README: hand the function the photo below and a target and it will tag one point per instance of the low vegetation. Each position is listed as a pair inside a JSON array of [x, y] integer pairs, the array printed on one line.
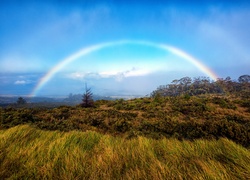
[[29, 153], [166, 136], [182, 117]]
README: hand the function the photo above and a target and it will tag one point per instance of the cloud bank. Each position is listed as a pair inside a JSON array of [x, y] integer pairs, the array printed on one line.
[[117, 75]]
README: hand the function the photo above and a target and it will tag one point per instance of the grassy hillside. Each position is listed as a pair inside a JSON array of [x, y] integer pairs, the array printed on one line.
[[206, 136], [182, 117], [26, 152]]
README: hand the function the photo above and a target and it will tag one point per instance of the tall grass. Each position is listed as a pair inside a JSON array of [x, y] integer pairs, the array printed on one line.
[[29, 153]]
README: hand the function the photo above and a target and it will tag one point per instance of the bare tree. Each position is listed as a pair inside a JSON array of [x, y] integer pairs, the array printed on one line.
[[87, 100]]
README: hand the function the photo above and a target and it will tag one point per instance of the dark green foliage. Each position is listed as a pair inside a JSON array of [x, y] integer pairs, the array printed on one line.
[[244, 79], [61, 113], [21, 101], [87, 100], [11, 117], [203, 85], [223, 103], [197, 107], [244, 103], [122, 125]]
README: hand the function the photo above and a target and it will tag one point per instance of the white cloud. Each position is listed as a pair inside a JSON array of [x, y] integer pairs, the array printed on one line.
[[120, 75], [117, 75], [82, 75], [24, 79], [21, 82], [76, 75], [136, 72]]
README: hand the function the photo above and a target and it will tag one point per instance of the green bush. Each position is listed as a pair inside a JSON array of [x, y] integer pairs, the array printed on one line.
[[223, 103]]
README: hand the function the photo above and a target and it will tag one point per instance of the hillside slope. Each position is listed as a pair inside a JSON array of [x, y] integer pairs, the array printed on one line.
[[29, 153], [181, 117]]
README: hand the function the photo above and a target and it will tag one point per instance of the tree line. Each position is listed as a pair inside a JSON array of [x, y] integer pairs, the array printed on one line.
[[203, 85]]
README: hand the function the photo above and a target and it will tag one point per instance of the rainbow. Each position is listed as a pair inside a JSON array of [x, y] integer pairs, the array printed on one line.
[[87, 50]]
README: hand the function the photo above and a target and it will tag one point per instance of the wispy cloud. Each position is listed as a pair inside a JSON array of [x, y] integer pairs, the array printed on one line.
[[20, 82], [216, 29], [228, 30], [82, 75], [120, 75], [117, 75], [23, 79]]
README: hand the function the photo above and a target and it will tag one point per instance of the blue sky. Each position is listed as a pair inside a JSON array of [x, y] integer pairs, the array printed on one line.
[[36, 35]]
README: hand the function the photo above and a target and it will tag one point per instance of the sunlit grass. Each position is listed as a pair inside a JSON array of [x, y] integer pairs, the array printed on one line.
[[26, 152]]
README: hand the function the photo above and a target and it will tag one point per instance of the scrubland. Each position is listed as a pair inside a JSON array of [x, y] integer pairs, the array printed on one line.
[[184, 136]]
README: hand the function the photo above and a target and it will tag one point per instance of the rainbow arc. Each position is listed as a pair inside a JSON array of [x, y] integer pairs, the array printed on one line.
[[90, 49]]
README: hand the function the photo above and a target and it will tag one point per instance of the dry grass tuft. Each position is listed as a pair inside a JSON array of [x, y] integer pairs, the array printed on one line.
[[29, 153]]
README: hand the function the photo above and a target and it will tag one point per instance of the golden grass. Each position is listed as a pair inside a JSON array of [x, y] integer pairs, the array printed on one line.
[[29, 153]]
